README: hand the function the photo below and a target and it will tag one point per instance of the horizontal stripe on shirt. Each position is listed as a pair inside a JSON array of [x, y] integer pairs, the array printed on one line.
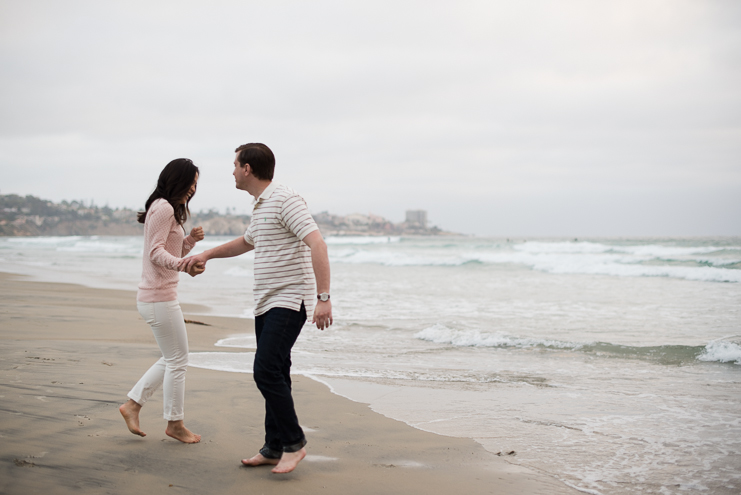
[[283, 272]]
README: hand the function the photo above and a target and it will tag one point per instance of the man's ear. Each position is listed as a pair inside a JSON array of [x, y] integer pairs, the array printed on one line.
[[246, 169]]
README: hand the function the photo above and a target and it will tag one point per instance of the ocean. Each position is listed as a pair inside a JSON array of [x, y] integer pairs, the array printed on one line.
[[613, 365]]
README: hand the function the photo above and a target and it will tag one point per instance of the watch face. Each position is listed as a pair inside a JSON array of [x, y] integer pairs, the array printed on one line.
[[323, 297]]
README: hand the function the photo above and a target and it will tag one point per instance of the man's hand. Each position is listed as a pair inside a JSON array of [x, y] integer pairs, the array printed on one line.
[[197, 269], [188, 263], [227, 250], [323, 314], [197, 233], [320, 263]]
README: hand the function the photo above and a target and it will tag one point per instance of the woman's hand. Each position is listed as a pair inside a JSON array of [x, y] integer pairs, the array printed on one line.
[[197, 234]]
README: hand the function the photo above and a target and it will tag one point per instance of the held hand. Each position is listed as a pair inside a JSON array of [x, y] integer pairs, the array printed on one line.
[[187, 263], [197, 233], [197, 269], [323, 314]]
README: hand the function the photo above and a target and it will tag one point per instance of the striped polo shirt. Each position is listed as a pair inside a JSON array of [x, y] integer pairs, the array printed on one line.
[[284, 275]]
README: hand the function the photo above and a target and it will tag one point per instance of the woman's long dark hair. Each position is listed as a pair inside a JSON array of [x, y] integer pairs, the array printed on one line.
[[173, 185]]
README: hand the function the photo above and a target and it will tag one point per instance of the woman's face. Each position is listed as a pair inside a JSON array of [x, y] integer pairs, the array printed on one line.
[[191, 191]]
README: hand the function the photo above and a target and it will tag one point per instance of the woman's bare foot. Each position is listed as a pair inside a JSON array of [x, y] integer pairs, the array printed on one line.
[[130, 412], [259, 460], [289, 461], [178, 431]]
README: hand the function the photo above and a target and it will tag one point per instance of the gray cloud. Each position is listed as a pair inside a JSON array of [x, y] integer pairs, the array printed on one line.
[[569, 116]]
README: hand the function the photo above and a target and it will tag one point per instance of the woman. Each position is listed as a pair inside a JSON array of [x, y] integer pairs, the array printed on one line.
[[165, 245]]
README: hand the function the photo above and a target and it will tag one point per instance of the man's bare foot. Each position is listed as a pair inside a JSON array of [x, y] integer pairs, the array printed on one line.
[[130, 412], [259, 460], [178, 431], [289, 461]]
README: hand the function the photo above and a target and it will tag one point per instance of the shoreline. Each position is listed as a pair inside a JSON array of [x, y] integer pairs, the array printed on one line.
[[70, 354]]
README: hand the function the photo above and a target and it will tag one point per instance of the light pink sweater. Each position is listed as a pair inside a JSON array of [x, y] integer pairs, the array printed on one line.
[[165, 245]]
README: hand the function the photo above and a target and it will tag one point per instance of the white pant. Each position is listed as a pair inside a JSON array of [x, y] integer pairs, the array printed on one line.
[[166, 320]]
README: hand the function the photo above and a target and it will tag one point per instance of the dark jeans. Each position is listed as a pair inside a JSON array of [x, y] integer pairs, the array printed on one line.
[[277, 331]]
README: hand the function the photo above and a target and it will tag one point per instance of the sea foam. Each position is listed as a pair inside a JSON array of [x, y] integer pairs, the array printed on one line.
[[700, 263], [722, 351], [94, 246], [41, 241], [440, 334], [362, 240]]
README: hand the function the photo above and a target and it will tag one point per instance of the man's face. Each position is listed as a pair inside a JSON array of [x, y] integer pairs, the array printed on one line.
[[239, 174]]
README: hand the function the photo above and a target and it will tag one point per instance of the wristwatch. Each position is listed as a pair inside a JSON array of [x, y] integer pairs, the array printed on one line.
[[324, 296]]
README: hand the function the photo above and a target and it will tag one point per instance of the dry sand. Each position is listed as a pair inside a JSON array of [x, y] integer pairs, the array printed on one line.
[[69, 355]]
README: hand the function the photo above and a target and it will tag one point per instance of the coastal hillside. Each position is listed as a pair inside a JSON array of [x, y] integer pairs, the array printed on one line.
[[32, 216]]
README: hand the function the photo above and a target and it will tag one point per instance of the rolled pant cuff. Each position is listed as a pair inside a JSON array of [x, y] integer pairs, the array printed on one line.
[[269, 453], [296, 446]]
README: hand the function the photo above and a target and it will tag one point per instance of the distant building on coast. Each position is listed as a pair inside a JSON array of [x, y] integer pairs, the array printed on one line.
[[417, 218], [359, 224]]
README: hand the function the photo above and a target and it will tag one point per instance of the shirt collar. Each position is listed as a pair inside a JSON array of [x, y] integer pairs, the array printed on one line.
[[266, 193]]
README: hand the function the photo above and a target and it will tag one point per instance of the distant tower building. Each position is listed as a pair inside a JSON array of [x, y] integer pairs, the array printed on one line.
[[417, 217]]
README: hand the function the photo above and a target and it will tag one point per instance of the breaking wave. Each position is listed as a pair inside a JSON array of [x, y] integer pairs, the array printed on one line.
[[725, 350], [700, 263]]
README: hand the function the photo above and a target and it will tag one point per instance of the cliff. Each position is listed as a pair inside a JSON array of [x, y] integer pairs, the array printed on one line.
[[32, 216]]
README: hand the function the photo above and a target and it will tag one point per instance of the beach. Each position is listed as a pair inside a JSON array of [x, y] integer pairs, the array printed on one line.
[[69, 355], [609, 365]]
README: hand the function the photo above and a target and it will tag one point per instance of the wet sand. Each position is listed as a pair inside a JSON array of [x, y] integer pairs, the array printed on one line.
[[69, 354]]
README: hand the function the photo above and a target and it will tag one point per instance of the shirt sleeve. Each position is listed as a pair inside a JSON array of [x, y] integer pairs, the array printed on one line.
[[188, 244], [160, 218], [295, 217], [248, 234]]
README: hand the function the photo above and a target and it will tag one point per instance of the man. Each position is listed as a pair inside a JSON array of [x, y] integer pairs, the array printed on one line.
[[290, 254]]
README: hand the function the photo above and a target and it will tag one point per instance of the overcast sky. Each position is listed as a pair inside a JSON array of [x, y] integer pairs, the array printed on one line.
[[574, 118]]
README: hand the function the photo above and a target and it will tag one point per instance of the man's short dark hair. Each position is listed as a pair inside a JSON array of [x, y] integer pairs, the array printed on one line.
[[260, 158]]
